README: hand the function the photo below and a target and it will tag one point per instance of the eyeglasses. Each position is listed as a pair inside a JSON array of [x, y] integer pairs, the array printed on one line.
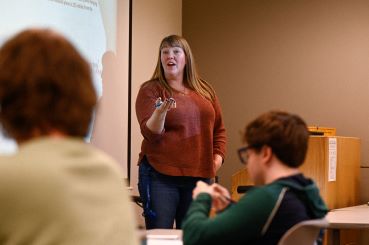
[[242, 153]]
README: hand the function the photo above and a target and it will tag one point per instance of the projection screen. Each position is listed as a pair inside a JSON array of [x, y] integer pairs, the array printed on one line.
[[100, 31]]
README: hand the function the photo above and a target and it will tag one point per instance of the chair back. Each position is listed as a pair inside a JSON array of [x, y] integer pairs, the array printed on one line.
[[304, 233]]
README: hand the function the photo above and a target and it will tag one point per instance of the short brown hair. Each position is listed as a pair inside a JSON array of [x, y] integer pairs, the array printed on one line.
[[45, 84], [285, 133]]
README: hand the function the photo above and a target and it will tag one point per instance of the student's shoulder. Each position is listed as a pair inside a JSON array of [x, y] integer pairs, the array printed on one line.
[[259, 201], [23, 179], [7, 168], [266, 193]]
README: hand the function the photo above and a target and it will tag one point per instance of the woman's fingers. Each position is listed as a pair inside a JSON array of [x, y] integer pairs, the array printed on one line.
[[165, 105], [158, 102]]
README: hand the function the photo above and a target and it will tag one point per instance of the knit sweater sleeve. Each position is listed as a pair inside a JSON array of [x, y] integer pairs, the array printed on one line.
[[239, 224], [144, 108], [220, 139]]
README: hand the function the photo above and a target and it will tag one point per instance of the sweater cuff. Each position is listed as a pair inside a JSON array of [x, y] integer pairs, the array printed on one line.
[[204, 198], [149, 135]]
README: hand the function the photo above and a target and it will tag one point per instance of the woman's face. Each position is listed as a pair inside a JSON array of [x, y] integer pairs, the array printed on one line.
[[173, 60]]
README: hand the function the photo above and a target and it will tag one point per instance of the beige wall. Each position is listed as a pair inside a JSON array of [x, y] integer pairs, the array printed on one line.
[[308, 57], [152, 21]]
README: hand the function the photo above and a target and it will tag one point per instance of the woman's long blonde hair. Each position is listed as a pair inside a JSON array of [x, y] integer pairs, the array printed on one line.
[[191, 77]]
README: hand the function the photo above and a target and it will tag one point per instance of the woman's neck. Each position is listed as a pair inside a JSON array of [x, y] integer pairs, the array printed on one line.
[[176, 84]]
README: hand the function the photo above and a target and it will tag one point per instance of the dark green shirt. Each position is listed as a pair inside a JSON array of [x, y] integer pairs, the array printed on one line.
[[262, 216]]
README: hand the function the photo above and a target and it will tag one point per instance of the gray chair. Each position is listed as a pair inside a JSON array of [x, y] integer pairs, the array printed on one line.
[[304, 233]]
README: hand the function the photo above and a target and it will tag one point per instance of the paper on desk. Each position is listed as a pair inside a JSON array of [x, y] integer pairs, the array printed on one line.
[[332, 159], [163, 242], [162, 237]]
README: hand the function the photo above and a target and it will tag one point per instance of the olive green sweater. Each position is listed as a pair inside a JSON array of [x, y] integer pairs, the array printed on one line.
[[62, 191]]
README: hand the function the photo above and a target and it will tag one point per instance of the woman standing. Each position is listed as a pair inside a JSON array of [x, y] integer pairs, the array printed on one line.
[[184, 135]]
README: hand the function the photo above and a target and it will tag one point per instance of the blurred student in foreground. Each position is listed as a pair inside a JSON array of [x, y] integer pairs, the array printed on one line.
[[56, 189], [276, 147]]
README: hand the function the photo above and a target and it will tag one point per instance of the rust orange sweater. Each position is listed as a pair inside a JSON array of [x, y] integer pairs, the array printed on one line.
[[193, 132]]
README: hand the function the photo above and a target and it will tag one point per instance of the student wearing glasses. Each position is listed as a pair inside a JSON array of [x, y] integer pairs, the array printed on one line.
[[276, 147]]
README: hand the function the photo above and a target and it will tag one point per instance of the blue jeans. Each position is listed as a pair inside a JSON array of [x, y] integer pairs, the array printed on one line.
[[165, 198]]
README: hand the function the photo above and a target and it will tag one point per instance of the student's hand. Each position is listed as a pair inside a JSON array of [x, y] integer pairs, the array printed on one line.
[[201, 187], [221, 197]]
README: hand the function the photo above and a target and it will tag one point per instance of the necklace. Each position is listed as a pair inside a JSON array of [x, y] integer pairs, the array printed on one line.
[[184, 91]]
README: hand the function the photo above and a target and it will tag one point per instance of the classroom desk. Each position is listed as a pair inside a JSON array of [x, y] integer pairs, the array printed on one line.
[[355, 217]]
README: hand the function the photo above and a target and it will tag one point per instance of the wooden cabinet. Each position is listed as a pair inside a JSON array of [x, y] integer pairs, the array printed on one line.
[[344, 191]]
